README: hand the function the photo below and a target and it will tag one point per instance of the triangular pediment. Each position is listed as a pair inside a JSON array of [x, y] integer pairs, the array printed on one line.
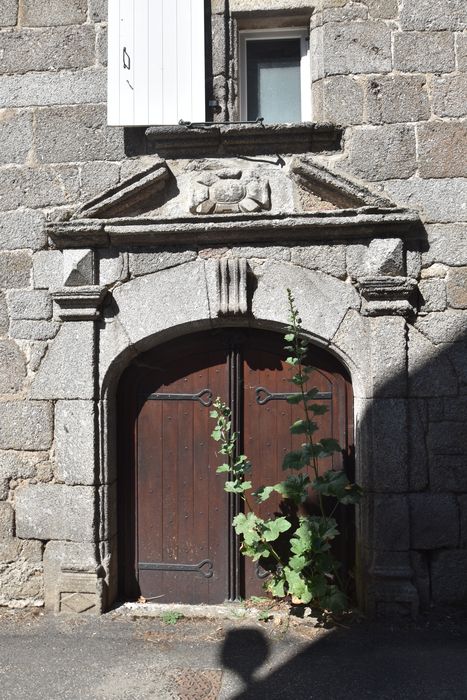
[[231, 186]]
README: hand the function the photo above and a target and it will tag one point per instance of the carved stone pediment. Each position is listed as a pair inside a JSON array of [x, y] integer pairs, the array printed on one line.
[[233, 199]]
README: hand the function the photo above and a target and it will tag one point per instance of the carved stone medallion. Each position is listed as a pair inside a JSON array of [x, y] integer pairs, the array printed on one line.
[[228, 191]]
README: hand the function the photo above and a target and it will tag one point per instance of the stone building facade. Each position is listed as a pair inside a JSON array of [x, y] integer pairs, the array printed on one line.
[[115, 240]]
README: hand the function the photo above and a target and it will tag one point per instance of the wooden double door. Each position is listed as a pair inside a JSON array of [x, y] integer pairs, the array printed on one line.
[[176, 539]]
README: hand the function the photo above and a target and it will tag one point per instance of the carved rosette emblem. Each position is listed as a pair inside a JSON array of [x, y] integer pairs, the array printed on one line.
[[228, 191]]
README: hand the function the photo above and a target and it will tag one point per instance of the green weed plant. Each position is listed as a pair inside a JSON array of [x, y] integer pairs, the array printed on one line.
[[307, 573]]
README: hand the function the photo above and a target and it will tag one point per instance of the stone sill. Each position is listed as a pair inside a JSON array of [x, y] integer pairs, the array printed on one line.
[[206, 140], [340, 225]]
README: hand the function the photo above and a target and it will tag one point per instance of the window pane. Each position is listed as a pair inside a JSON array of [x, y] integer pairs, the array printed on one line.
[[273, 80]]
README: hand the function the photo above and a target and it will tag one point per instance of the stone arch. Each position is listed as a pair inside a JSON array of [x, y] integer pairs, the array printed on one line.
[[184, 299]]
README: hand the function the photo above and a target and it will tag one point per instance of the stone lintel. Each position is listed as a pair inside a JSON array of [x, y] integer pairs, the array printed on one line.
[[341, 225], [79, 303], [387, 296], [256, 138]]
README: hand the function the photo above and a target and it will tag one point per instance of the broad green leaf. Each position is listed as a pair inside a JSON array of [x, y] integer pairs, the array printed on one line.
[[294, 460], [295, 398], [289, 338], [295, 487], [303, 426], [317, 409], [263, 492], [298, 562], [237, 486], [273, 528], [276, 587], [336, 484], [213, 414], [222, 469]]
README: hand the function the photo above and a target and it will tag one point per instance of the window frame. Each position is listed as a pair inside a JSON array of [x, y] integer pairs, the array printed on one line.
[[301, 33]]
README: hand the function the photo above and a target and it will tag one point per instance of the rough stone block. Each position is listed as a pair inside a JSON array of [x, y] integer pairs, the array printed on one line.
[[21, 573], [77, 134], [316, 295], [413, 263], [15, 136], [418, 457], [433, 15], [356, 47], [442, 149], [437, 200], [78, 267], [398, 98], [98, 177], [342, 100], [22, 229], [26, 425], [15, 269], [448, 472], [98, 10], [447, 438], [424, 52], [388, 356], [70, 556], [461, 49], [430, 374], [113, 267], [141, 263], [55, 512], [31, 305], [420, 566], [449, 577], [326, 258], [34, 330], [19, 465], [38, 187], [434, 521], [433, 294], [37, 13], [7, 521], [74, 441], [4, 319], [8, 13], [356, 260], [386, 257], [457, 354], [381, 152], [447, 327], [388, 424], [275, 252], [47, 269], [462, 500], [390, 523], [65, 373], [352, 340], [102, 45], [47, 89], [47, 49], [383, 9], [450, 95], [12, 367], [447, 245], [456, 284]]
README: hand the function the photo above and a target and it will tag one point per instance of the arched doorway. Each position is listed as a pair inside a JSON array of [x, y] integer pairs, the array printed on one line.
[[176, 540]]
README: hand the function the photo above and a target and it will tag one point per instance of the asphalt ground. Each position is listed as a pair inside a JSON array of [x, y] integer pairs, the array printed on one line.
[[125, 656]]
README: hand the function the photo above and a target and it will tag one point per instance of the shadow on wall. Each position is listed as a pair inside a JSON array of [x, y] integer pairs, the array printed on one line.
[[362, 662], [417, 511]]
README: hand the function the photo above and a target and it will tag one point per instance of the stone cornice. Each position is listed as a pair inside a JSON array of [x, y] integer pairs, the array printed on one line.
[[339, 225], [208, 140]]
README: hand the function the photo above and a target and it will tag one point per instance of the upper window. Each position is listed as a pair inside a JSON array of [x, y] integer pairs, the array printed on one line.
[[275, 75]]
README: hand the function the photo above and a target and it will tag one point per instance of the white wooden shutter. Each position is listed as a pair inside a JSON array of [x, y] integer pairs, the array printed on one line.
[[156, 62]]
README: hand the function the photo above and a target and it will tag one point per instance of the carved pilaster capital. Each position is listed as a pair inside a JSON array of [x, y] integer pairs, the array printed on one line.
[[79, 303], [387, 296]]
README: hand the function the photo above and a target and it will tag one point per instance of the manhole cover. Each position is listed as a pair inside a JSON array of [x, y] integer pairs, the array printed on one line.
[[194, 684]]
